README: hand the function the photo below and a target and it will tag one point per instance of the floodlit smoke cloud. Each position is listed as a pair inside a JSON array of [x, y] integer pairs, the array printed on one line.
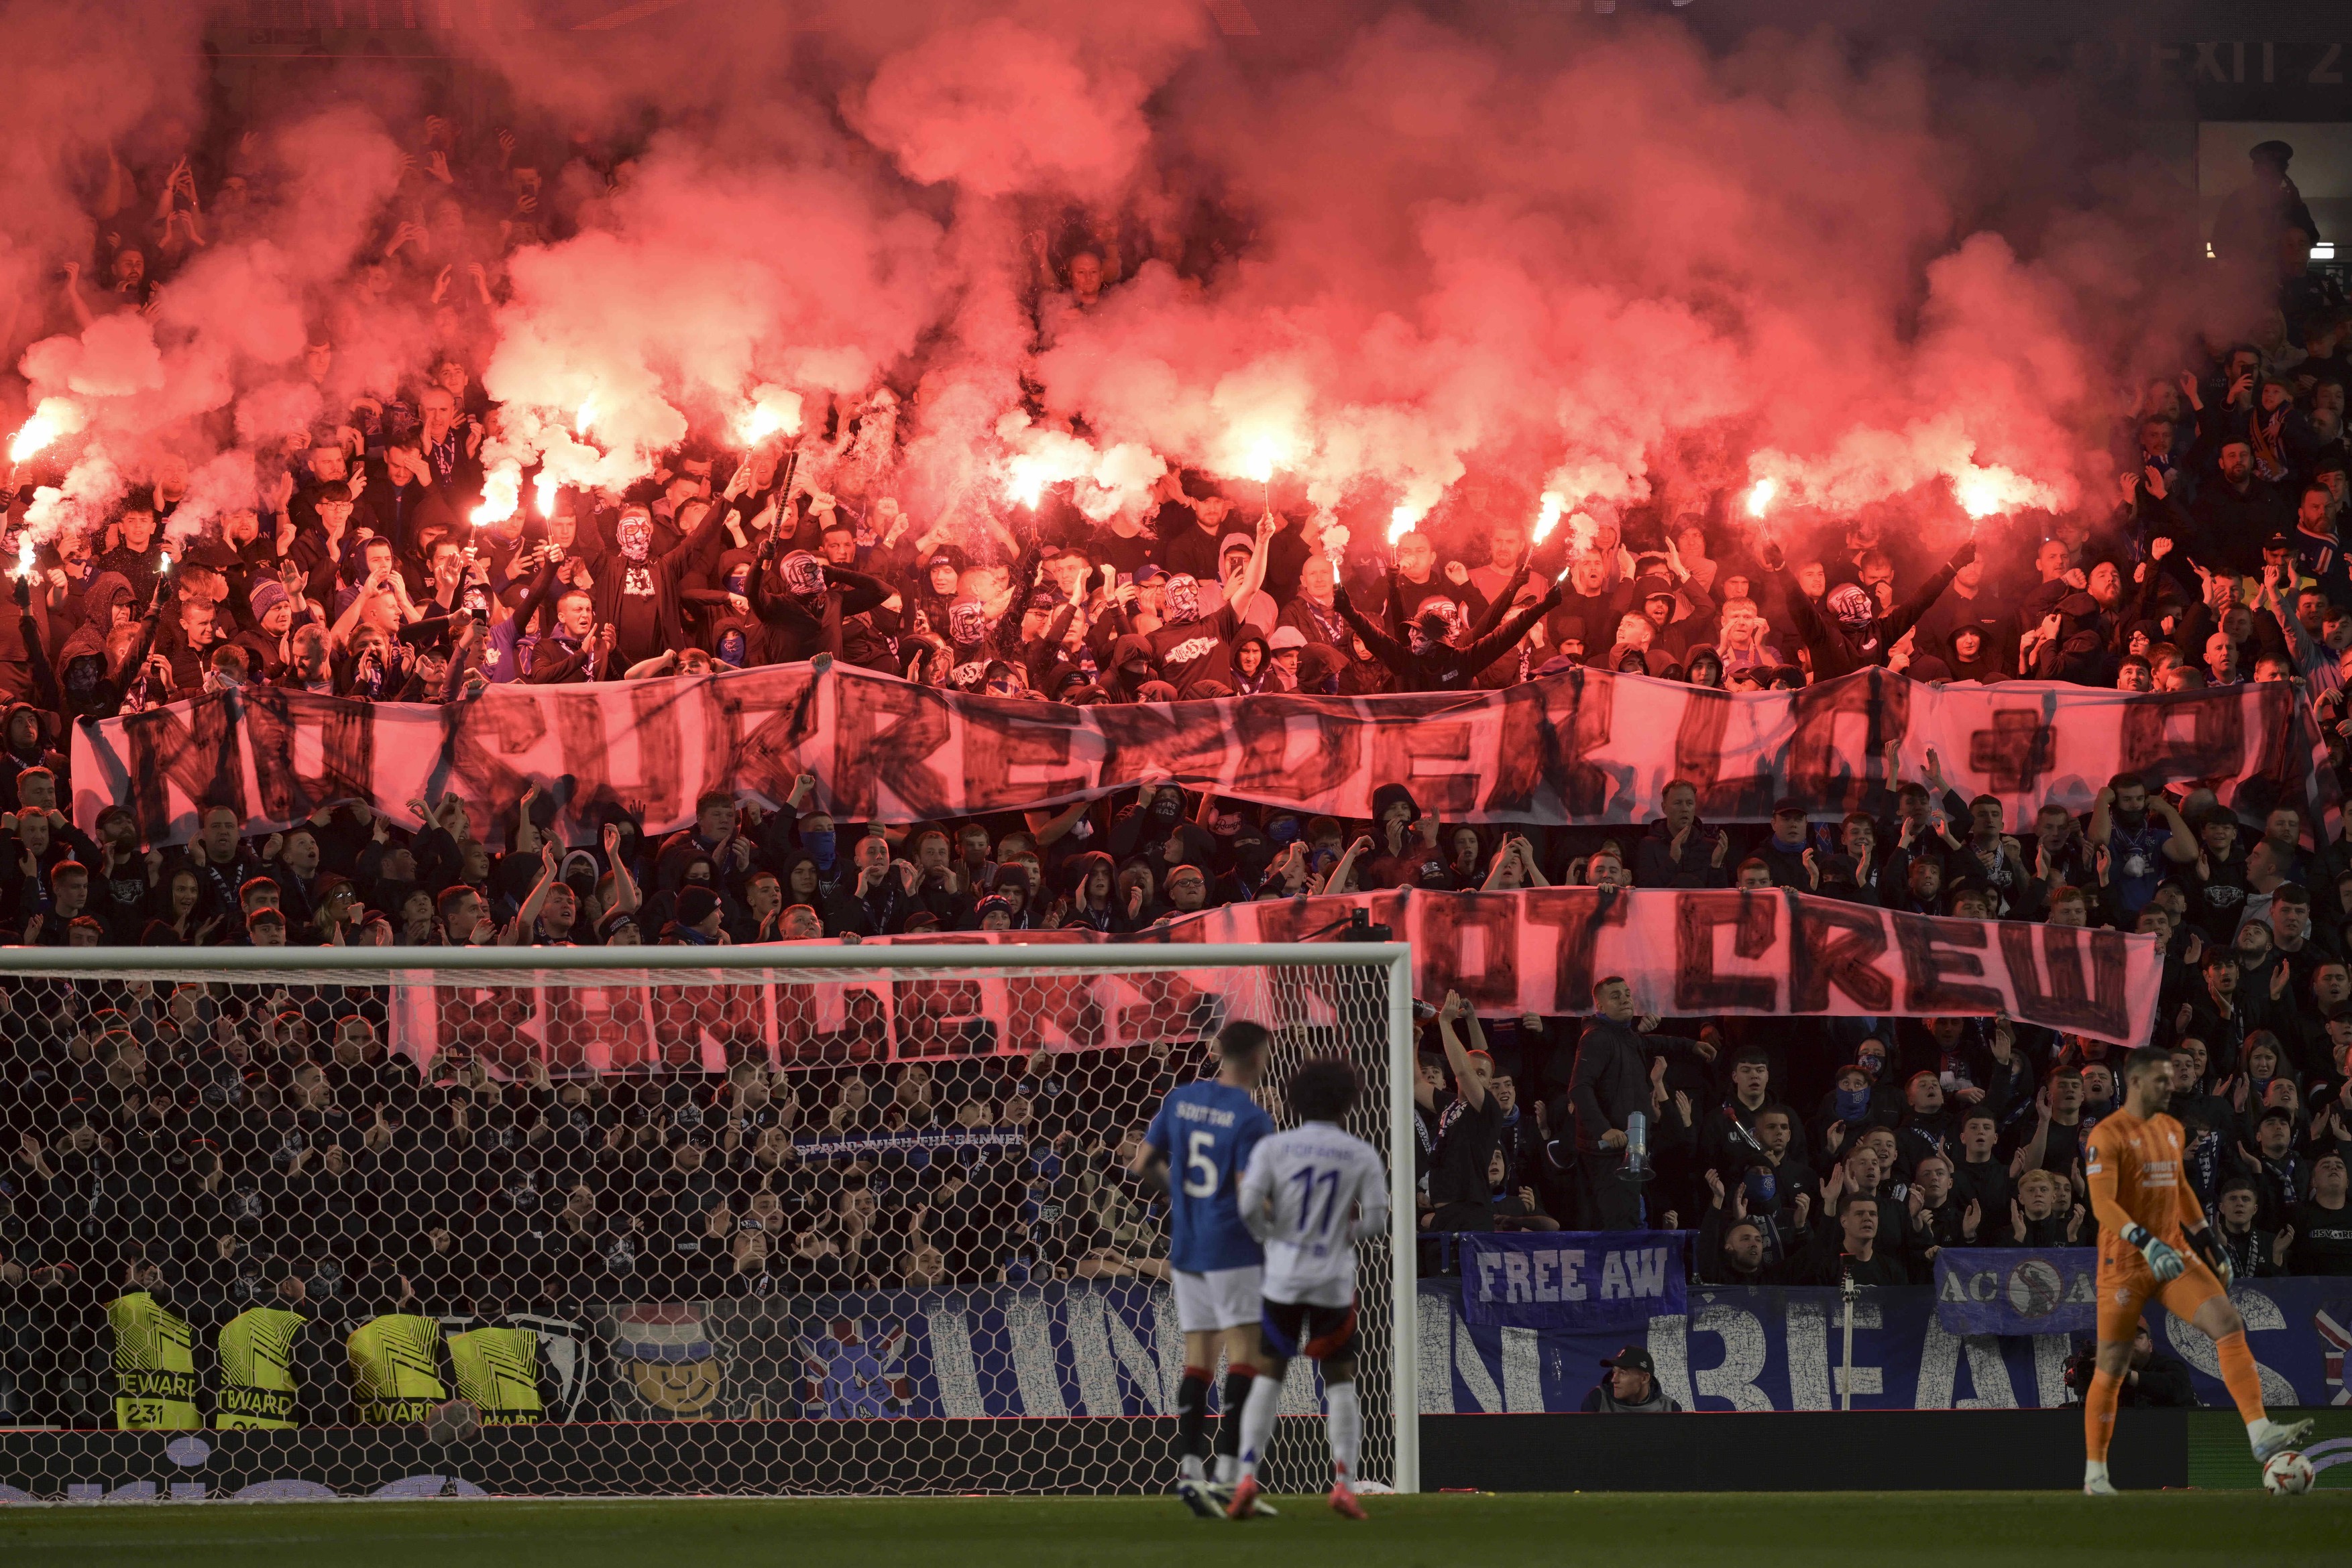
[[223, 334], [1466, 267]]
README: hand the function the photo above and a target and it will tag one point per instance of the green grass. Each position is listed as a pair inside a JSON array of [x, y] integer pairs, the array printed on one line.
[[2016, 1530]]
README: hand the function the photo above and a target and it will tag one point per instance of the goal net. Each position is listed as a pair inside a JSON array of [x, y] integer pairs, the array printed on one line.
[[801, 1219]]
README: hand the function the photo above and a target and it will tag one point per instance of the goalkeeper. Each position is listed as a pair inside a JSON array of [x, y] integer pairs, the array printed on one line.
[[2155, 1244]]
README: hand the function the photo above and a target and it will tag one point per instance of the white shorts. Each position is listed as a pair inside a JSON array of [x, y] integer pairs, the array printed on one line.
[[1222, 1299]]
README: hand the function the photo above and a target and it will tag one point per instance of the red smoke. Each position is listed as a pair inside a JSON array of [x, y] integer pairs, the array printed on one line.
[[1561, 258]]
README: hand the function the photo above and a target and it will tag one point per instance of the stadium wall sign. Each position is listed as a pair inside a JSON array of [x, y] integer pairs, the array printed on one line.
[[1755, 1349], [1685, 954], [1584, 747], [1107, 1357]]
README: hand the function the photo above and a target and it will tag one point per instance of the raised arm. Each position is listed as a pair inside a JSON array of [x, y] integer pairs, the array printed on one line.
[[1473, 1092], [1345, 865], [1486, 651], [625, 886], [1251, 577], [1385, 648], [526, 919], [1905, 615]]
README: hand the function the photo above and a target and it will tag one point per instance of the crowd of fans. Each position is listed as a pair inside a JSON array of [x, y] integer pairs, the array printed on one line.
[[238, 1143]]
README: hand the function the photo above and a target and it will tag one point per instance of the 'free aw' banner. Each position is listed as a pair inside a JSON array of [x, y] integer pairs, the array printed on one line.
[[1610, 1282]]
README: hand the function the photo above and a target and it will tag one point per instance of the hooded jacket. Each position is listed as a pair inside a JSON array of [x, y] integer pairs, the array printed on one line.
[[1116, 684], [15, 761]]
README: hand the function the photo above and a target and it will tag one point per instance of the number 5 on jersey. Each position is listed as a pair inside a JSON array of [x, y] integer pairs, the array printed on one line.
[[1200, 1164]]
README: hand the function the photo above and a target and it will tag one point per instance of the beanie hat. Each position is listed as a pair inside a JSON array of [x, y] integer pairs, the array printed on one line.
[[268, 594], [695, 905]]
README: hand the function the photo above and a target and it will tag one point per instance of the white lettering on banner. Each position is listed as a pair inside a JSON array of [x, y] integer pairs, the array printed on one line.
[[1668, 1351], [2050, 1356], [1516, 1285], [2262, 1315], [1585, 747], [1436, 1322], [1571, 1263], [1806, 1326], [1523, 1360], [1939, 1359], [1744, 1353], [1646, 1271], [1472, 1368]]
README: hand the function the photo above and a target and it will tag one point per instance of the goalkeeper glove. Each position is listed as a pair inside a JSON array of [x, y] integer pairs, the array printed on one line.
[[2162, 1260], [2211, 1251]]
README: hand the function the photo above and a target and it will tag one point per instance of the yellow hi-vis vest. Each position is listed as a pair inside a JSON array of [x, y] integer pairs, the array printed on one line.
[[154, 1366], [256, 1370], [498, 1370], [395, 1369]]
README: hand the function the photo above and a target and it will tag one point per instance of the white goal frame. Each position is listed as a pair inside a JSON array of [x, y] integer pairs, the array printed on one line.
[[826, 962]]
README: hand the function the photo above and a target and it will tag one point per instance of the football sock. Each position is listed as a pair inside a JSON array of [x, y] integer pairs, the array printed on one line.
[[1192, 1423], [1240, 1377], [1257, 1421], [1346, 1420], [2238, 1370], [2099, 1404]]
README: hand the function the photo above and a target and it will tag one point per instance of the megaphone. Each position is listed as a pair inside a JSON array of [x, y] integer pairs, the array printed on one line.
[[1636, 1168]]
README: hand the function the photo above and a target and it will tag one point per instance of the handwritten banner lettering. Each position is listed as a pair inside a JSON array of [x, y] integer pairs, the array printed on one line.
[[1537, 950], [1585, 747]]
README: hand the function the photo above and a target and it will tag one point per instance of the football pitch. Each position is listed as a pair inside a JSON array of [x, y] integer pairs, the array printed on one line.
[[1751, 1531]]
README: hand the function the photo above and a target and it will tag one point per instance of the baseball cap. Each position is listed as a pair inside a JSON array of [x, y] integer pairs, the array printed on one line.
[[1633, 1358], [1789, 804], [1045, 599], [1150, 572]]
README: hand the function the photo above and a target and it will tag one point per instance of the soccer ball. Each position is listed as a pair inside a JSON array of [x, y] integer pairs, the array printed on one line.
[[455, 1420], [2286, 1475]]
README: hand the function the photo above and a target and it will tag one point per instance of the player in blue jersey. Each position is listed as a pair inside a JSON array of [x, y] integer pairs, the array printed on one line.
[[1198, 1146]]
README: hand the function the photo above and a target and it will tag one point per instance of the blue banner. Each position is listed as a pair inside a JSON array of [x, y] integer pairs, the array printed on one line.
[[1113, 1348], [2018, 1289], [1747, 1349], [1578, 1281]]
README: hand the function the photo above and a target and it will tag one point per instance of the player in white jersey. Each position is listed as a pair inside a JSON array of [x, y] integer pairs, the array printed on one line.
[[1310, 1194]]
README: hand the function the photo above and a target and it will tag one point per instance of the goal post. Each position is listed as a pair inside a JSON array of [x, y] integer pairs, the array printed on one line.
[[256, 1052]]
